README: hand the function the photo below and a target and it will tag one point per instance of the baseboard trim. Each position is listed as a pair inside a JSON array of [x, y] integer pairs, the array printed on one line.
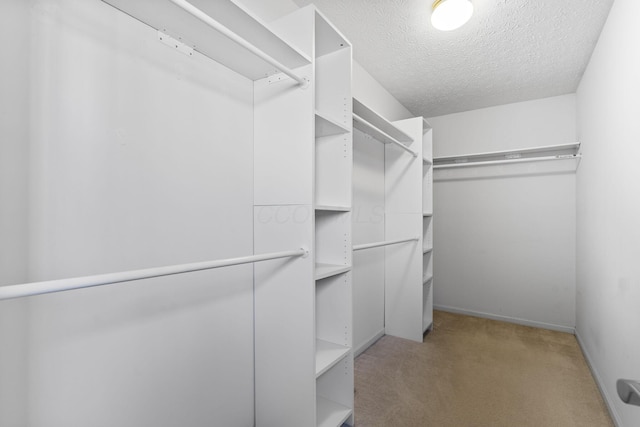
[[371, 341], [518, 321], [596, 376]]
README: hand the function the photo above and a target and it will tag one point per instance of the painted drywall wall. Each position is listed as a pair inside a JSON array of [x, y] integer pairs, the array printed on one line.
[[608, 272], [370, 92], [269, 10], [505, 243], [140, 156], [14, 125]]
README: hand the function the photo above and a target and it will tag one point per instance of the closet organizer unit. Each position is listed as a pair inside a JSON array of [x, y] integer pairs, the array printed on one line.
[[301, 68], [404, 308], [427, 226], [330, 173]]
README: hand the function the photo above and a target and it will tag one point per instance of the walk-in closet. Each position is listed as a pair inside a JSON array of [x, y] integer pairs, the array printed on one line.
[[318, 213]]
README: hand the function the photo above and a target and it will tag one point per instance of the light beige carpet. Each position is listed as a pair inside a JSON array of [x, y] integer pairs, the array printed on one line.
[[472, 372]]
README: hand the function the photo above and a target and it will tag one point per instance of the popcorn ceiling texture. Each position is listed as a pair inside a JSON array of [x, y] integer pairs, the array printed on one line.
[[510, 50]]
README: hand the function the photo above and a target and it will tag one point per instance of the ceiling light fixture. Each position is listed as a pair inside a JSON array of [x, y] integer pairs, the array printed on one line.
[[448, 15]]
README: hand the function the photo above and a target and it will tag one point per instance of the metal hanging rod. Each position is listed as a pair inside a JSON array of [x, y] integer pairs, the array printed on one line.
[[520, 151], [359, 119], [39, 288], [499, 162], [197, 13], [387, 243]]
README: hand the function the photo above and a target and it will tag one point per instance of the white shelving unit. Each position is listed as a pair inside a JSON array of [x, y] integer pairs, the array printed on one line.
[[427, 227], [403, 213], [331, 171], [170, 19]]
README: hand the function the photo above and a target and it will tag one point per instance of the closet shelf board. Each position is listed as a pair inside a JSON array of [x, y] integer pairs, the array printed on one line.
[[331, 414], [379, 122], [326, 126], [327, 270], [427, 279], [426, 250], [332, 208], [427, 214], [170, 19], [427, 161], [327, 355]]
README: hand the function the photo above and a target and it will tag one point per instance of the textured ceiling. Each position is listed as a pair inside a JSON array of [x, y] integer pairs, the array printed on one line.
[[510, 51]]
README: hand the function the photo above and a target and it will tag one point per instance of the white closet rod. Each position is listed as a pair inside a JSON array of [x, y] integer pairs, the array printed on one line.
[[378, 244], [499, 162], [386, 135], [39, 288], [189, 8], [542, 148]]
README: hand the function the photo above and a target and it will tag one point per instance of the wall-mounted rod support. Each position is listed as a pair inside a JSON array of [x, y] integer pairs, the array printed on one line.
[[506, 161], [39, 288], [359, 119], [191, 9], [629, 391], [387, 243]]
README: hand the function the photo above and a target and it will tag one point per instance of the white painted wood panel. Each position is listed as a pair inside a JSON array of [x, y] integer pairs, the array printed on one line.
[[284, 323], [403, 172], [403, 277], [284, 119], [404, 219]]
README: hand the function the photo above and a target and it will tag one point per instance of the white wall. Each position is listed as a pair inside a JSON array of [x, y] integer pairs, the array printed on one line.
[[139, 156], [608, 280], [370, 92], [269, 10], [505, 239], [14, 125]]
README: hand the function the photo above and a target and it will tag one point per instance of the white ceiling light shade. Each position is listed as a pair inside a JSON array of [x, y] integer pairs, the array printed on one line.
[[448, 15]]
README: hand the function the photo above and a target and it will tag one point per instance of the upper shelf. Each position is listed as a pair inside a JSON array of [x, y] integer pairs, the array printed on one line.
[[173, 20], [378, 122], [547, 152], [327, 126]]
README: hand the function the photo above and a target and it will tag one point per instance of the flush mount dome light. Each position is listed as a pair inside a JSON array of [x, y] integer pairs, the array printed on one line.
[[448, 15]]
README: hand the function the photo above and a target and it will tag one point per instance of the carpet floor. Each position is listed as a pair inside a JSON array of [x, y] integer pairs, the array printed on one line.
[[472, 372]]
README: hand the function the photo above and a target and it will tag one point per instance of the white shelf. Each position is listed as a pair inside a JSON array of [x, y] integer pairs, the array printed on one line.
[[426, 250], [331, 414], [326, 126], [426, 279], [327, 270], [379, 122], [165, 16], [427, 161], [328, 38], [330, 208], [427, 214], [327, 355]]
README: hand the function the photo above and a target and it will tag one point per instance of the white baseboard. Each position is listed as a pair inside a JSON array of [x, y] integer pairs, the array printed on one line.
[[368, 343], [603, 390], [535, 324]]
